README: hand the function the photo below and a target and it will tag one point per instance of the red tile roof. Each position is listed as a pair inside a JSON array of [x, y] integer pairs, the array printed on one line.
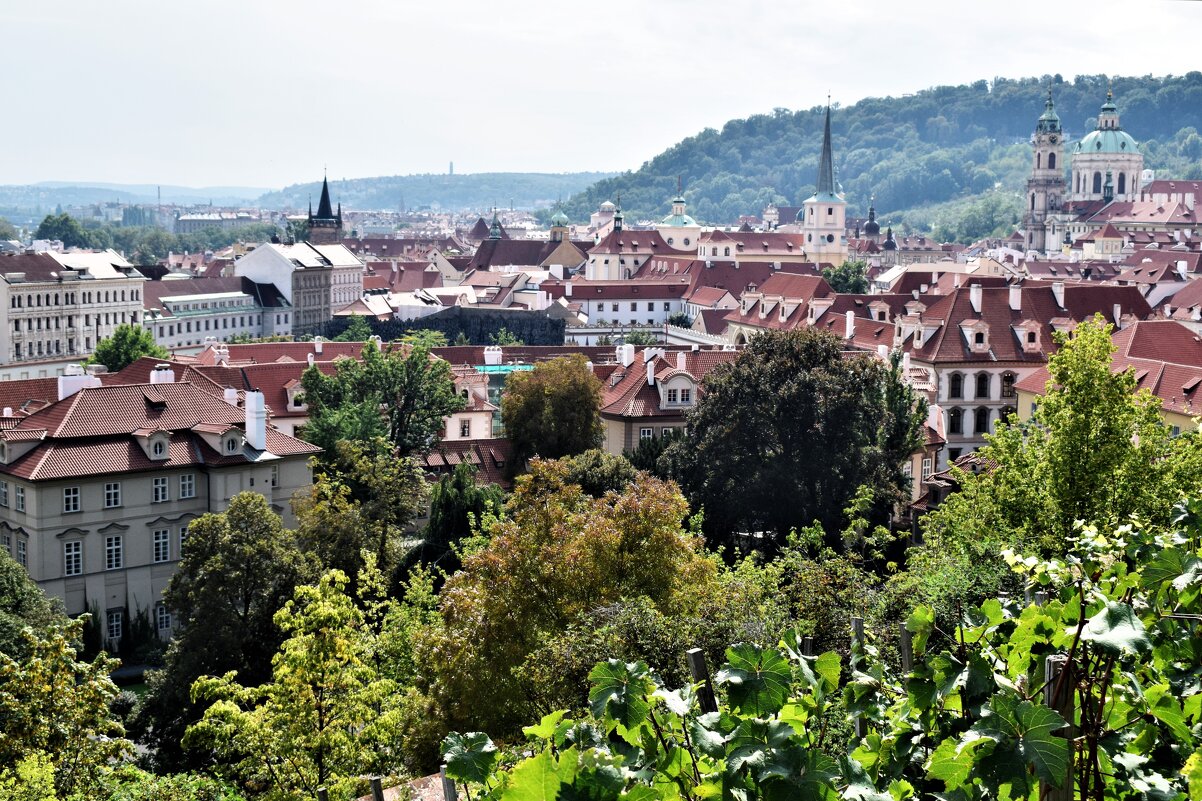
[[627, 393]]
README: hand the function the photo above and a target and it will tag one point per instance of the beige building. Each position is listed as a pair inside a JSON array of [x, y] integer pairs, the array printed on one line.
[[97, 489], [316, 280]]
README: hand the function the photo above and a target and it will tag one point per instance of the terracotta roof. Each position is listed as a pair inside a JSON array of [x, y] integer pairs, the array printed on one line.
[[489, 456], [17, 393], [627, 393], [123, 409], [36, 266]]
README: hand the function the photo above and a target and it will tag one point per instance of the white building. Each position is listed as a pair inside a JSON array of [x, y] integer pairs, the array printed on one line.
[[316, 280]]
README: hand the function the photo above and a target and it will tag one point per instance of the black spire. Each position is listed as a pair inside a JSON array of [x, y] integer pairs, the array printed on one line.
[[826, 165], [325, 210]]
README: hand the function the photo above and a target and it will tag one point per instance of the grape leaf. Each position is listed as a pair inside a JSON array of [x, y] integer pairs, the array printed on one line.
[[756, 679], [534, 779], [620, 691], [470, 757], [1116, 629]]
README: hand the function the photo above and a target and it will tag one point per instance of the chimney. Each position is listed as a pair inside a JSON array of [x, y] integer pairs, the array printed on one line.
[[956, 281], [882, 352], [256, 421], [311, 358], [1016, 297], [317, 344], [230, 396], [680, 360], [8, 411], [905, 363], [974, 297], [222, 354], [1118, 314], [1182, 269], [378, 341], [1168, 310], [849, 327], [650, 372], [626, 355], [1058, 292], [75, 380], [162, 374], [567, 289]]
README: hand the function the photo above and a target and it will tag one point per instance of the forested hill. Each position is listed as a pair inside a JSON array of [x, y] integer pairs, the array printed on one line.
[[939, 145], [467, 191]]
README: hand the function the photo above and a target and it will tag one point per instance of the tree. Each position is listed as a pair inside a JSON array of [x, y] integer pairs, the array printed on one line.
[[64, 228], [22, 604], [404, 388], [322, 720], [429, 338], [7, 231], [790, 418], [639, 338], [128, 343], [359, 330], [850, 277], [553, 410], [55, 709], [557, 555], [238, 568], [458, 508], [597, 472], [504, 337]]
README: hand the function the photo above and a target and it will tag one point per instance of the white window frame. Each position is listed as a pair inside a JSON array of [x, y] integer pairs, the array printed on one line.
[[183, 537], [114, 621], [73, 558], [4, 494], [112, 494], [646, 433], [71, 503], [275, 475], [162, 617], [161, 545], [22, 551], [114, 552], [187, 485], [927, 467], [19, 499], [160, 490], [465, 428]]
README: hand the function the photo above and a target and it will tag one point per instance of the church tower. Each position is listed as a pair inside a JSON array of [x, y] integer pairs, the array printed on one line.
[[325, 227], [822, 219], [1045, 187]]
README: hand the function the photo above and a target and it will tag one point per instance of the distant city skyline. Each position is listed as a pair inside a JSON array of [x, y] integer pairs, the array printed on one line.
[[256, 94]]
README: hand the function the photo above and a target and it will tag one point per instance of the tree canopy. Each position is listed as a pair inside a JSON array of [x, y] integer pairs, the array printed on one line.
[[553, 410], [128, 343]]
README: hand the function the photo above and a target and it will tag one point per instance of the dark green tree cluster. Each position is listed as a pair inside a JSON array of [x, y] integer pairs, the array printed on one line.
[[552, 410], [127, 344], [467, 326]]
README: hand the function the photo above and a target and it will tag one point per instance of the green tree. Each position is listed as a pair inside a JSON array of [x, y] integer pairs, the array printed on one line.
[[127, 344], [7, 231], [429, 338], [597, 472], [458, 508], [64, 228], [791, 418], [553, 410], [639, 338], [504, 337], [402, 393], [850, 277], [22, 604], [324, 717], [359, 330], [55, 707], [238, 568]]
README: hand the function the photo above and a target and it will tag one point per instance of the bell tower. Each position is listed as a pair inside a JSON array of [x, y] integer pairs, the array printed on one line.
[[1045, 187]]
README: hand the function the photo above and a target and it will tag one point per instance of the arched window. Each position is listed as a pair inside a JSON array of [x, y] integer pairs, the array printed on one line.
[[955, 422], [955, 388], [1051, 161], [983, 385], [1122, 183], [981, 421], [1097, 183]]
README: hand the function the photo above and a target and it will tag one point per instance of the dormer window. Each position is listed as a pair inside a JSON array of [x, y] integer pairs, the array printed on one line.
[[231, 444], [159, 449]]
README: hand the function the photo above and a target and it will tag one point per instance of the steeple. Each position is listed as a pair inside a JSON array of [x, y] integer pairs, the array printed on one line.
[[1049, 121], [494, 230], [619, 218], [325, 209], [826, 164]]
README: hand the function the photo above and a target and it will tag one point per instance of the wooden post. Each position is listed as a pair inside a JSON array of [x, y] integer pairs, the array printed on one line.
[[1058, 695], [807, 646], [377, 789], [857, 638], [905, 644], [701, 675], [1041, 598], [448, 784], [323, 794], [1029, 593]]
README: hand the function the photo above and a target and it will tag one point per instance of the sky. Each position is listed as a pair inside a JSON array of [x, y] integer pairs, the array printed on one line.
[[266, 94]]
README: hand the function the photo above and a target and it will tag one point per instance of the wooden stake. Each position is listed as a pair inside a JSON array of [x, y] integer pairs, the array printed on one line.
[[377, 789], [1058, 695], [448, 784], [323, 794], [857, 637], [701, 675]]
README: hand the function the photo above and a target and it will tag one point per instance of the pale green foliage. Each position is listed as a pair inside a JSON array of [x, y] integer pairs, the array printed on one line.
[[54, 709], [30, 779], [327, 715], [126, 345]]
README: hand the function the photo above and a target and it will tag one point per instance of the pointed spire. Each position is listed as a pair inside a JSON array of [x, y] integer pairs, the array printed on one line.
[[826, 164], [494, 230], [619, 218], [325, 210]]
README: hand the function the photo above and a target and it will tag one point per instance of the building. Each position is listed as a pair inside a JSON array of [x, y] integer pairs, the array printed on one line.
[[58, 305], [1045, 187], [325, 227], [823, 217], [185, 312], [98, 488], [315, 280]]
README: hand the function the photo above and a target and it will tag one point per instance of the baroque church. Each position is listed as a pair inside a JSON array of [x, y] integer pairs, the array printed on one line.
[[1106, 166]]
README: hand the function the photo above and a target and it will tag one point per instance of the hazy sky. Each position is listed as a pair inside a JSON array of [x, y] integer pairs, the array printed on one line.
[[258, 93]]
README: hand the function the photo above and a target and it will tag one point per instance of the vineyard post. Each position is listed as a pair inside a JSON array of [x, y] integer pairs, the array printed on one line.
[[857, 638], [905, 644], [701, 674], [377, 789], [1058, 695], [807, 646], [448, 784], [323, 794]]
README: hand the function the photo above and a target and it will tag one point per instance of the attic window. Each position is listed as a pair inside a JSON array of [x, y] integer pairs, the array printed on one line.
[[231, 445], [978, 338], [1191, 385], [159, 448]]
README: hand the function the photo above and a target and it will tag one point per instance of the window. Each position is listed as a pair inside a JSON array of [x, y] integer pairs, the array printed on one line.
[[1031, 337], [978, 338], [6, 542], [646, 433], [953, 454], [162, 617], [275, 475], [955, 422], [465, 428], [72, 558], [981, 421], [1008, 385], [187, 485], [650, 306], [160, 490], [927, 465], [983, 385], [183, 537], [114, 618], [955, 388], [21, 555], [159, 448], [908, 470], [673, 396], [70, 499], [667, 306], [162, 545], [634, 306], [231, 445], [19, 498], [4, 493], [686, 396], [114, 553], [112, 494], [613, 307]]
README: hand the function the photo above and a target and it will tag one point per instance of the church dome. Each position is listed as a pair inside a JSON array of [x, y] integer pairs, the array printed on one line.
[[872, 227], [607, 206], [678, 221], [1111, 141], [560, 220]]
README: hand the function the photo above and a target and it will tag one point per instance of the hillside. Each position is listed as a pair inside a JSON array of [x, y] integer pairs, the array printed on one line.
[[943, 145], [468, 191]]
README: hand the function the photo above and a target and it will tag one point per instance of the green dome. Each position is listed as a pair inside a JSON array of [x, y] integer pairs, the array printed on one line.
[[678, 221], [559, 219], [1110, 141]]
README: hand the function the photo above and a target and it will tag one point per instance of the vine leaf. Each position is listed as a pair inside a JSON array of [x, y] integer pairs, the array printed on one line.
[[470, 757], [756, 679], [1193, 775], [1115, 629], [620, 691], [534, 779], [545, 729]]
